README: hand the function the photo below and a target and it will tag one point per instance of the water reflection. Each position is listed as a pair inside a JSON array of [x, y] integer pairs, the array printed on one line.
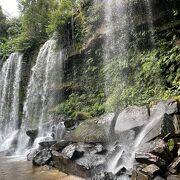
[[19, 169]]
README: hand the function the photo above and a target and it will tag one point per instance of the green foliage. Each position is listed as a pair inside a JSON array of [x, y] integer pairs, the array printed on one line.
[[35, 19], [144, 76], [171, 144], [59, 17], [80, 103], [3, 24]]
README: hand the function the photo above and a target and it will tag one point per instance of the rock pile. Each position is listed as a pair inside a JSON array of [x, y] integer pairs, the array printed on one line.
[[159, 156]]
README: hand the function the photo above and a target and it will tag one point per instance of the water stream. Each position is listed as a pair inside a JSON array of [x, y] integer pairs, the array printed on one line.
[[10, 77], [18, 168]]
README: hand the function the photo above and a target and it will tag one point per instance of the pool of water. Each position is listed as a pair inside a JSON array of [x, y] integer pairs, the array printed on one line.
[[17, 168]]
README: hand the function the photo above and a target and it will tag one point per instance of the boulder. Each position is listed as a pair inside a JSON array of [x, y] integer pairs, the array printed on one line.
[[32, 133], [151, 170], [68, 166], [69, 151], [159, 126], [173, 177], [47, 144], [104, 176], [42, 158], [89, 161], [107, 122], [129, 136], [32, 153], [78, 149], [169, 107], [131, 117], [148, 158], [174, 167], [157, 147], [137, 175], [176, 121], [58, 146], [87, 132]]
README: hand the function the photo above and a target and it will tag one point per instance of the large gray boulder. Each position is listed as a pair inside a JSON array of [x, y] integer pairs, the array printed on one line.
[[42, 158], [169, 107], [137, 175], [157, 147], [159, 126], [151, 170], [46, 144], [131, 117], [32, 153], [68, 166], [88, 132], [89, 161], [59, 145]]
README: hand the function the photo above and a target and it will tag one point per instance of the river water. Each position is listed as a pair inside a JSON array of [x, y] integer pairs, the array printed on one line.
[[17, 168]]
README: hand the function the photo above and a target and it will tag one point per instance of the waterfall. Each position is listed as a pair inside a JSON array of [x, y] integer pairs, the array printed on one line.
[[115, 46], [43, 92], [45, 81], [120, 27], [10, 77]]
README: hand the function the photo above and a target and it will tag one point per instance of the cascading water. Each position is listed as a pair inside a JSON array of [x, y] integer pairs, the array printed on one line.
[[115, 45], [43, 91], [10, 77], [120, 28]]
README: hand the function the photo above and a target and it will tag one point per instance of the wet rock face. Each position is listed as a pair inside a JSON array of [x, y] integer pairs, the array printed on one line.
[[176, 122], [78, 149], [148, 158], [169, 107], [42, 158], [46, 144], [137, 175], [151, 170], [32, 133], [157, 147], [104, 176], [59, 145], [67, 165], [32, 154], [89, 161], [174, 167], [80, 158], [163, 127], [131, 117], [173, 177]]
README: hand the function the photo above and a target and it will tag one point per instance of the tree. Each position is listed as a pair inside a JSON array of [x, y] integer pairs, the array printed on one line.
[[3, 25], [35, 17]]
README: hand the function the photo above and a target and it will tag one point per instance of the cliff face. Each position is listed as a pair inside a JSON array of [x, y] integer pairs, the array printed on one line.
[[84, 68], [105, 66]]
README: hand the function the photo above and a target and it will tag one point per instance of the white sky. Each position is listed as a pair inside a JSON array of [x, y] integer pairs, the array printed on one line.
[[10, 7]]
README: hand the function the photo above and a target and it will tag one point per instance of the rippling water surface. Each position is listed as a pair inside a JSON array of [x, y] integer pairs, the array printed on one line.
[[17, 168]]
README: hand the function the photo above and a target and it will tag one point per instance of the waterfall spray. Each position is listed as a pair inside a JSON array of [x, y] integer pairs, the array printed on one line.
[[10, 77]]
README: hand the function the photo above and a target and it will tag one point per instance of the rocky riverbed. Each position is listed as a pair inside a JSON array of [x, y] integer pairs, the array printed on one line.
[[88, 147]]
